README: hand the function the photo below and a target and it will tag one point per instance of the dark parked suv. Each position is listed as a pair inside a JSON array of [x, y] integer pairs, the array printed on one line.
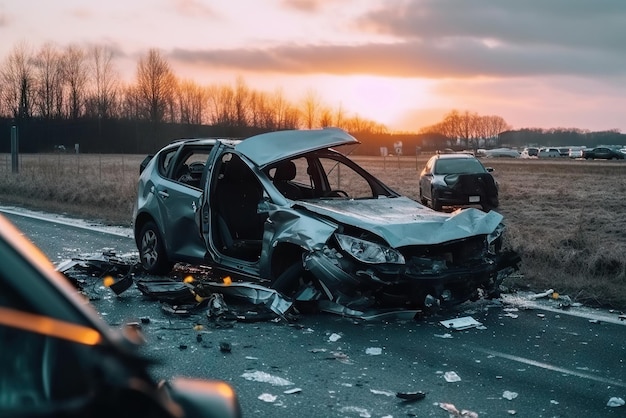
[[457, 180]]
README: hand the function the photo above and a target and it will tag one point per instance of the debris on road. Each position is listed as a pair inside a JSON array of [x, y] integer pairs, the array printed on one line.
[[460, 324], [509, 395], [451, 377], [454, 412], [268, 397], [262, 377], [374, 351], [615, 402], [292, 391], [187, 291], [411, 396], [547, 293]]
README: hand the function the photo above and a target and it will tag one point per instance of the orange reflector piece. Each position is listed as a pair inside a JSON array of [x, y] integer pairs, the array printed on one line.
[[188, 279], [49, 326], [108, 281], [227, 280]]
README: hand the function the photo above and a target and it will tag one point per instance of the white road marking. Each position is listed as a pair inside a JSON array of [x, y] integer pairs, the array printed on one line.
[[76, 223], [551, 367], [580, 312]]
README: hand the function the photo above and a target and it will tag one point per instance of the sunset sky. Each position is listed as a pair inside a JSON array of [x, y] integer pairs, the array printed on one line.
[[536, 63]]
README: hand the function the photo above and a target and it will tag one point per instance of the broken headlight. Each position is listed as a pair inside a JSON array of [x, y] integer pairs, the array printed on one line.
[[369, 252]]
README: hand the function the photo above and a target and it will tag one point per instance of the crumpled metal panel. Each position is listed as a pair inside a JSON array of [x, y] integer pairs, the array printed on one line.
[[253, 293], [402, 221]]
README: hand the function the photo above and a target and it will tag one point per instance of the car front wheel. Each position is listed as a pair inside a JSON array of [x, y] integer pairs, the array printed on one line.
[[152, 251]]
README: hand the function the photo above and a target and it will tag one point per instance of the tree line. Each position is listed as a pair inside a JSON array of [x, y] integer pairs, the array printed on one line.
[[73, 83], [73, 94]]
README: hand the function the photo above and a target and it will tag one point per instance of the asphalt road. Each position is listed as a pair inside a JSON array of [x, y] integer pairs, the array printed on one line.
[[527, 359]]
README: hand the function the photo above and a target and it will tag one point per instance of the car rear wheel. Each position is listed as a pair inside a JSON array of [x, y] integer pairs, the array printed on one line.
[[434, 201], [152, 251]]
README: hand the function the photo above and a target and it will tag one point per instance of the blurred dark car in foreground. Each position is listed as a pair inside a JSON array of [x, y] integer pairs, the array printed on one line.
[[603, 153], [457, 180], [59, 359], [288, 211]]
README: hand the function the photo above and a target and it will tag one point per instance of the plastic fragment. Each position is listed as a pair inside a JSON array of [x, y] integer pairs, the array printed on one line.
[[615, 402], [460, 324], [542, 294], [267, 397], [411, 396], [334, 337], [374, 351], [259, 376], [451, 377], [292, 391], [225, 347], [455, 412]]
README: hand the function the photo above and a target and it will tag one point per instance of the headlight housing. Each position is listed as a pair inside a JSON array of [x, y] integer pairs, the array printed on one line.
[[369, 252]]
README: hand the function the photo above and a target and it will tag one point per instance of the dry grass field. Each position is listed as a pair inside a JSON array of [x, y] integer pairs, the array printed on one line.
[[566, 218]]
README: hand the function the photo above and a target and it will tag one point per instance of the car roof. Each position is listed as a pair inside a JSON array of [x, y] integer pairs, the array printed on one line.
[[455, 156], [268, 148], [203, 141]]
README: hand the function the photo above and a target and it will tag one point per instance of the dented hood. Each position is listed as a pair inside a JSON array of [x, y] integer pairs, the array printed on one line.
[[271, 147], [402, 221]]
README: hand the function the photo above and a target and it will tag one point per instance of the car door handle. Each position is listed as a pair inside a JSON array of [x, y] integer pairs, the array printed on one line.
[[164, 194]]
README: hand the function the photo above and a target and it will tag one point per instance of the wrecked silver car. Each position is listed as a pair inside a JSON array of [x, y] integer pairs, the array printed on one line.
[[287, 210]]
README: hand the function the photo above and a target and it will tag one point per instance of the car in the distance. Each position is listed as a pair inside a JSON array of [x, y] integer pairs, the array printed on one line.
[[604, 153], [59, 358], [529, 152], [288, 211], [549, 152], [457, 180]]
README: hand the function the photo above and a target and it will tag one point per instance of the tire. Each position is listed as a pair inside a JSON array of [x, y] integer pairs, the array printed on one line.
[[434, 201], [152, 251], [288, 282]]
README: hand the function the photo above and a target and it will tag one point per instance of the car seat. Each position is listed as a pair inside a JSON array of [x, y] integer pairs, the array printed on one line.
[[283, 175]]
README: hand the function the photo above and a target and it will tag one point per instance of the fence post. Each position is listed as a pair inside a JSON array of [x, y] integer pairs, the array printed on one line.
[[15, 142]]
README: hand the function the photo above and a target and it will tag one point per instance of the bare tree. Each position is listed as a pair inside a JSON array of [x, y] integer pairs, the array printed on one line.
[[285, 115], [191, 99], [75, 77], [48, 78], [17, 76], [104, 89], [221, 105], [155, 84], [130, 104], [240, 101], [310, 109]]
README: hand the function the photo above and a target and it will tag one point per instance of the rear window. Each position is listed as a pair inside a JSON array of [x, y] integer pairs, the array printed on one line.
[[459, 165]]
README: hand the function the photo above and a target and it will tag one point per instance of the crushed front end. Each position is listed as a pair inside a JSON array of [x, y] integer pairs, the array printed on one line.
[[360, 271]]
